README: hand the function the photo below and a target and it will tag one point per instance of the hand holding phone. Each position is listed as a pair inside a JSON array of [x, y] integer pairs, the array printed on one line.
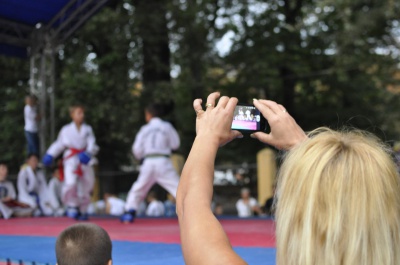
[[248, 119]]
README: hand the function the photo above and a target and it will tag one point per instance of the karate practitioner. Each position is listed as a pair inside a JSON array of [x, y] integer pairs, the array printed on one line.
[[78, 143], [54, 189], [32, 187], [154, 143], [7, 192]]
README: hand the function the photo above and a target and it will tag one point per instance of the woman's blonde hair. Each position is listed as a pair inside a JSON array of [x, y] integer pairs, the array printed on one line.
[[338, 202]]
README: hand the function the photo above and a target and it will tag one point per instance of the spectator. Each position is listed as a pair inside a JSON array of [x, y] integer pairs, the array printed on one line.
[[338, 198], [7, 192], [155, 207], [246, 206], [31, 125], [114, 205], [54, 192], [269, 206], [84, 244], [218, 209], [32, 187], [170, 206]]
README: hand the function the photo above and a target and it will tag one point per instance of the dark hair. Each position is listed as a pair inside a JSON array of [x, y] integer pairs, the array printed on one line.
[[152, 194], [155, 109], [83, 244]]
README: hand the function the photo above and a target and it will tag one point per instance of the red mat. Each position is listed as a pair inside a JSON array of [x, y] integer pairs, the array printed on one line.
[[241, 232]]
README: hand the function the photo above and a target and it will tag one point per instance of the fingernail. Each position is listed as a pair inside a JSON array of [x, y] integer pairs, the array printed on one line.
[[254, 99], [252, 135], [240, 136]]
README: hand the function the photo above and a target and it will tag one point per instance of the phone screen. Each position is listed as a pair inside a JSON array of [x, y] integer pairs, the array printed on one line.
[[248, 118]]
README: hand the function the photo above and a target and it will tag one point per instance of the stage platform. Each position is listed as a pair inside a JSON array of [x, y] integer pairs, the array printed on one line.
[[148, 241]]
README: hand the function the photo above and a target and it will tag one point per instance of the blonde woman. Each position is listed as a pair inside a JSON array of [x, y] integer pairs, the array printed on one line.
[[338, 198]]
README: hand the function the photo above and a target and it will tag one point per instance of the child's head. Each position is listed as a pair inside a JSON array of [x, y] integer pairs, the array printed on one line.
[[77, 113], [85, 244], [108, 195], [30, 100], [245, 193], [55, 172], [32, 161], [171, 198], [151, 196], [153, 110], [3, 171]]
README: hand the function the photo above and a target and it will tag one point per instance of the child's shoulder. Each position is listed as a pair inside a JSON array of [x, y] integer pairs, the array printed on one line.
[[5, 183]]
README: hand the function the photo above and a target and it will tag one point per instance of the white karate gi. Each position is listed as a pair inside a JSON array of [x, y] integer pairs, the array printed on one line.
[[6, 190], [76, 189], [245, 209], [154, 143], [155, 209], [54, 188], [116, 206], [30, 181]]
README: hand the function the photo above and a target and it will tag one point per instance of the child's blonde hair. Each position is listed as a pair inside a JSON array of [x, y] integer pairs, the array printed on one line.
[[72, 108], [338, 202]]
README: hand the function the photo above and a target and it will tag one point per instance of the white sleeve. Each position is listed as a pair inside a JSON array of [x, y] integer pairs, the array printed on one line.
[[25, 182], [58, 146], [151, 209], [42, 186], [92, 148], [253, 202], [29, 113], [52, 194], [11, 191], [238, 207], [174, 140], [137, 148]]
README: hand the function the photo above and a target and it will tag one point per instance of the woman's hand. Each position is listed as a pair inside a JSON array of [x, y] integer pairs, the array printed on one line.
[[285, 132], [215, 122]]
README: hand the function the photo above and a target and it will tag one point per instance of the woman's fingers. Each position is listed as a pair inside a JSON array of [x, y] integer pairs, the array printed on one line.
[[263, 137], [223, 101], [197, 106], [265, 111], [273, 106], [231, 104], [211, 100]]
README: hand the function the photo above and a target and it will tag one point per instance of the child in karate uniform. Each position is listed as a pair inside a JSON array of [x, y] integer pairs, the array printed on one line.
[[78, 143], [54, 188], [154, 144], [32, 187], [7, 192]]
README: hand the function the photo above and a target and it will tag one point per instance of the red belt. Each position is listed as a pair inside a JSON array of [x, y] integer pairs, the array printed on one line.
[[78, 171]]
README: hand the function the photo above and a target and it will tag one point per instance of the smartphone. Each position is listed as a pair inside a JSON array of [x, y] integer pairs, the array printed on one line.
[[247, 118]]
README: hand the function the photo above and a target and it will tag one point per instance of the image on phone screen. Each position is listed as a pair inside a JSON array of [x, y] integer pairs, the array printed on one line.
[[247, 118]]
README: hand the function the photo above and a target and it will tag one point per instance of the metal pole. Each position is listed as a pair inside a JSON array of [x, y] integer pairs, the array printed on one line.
[[32, 81], [42, 87], [52, 92]]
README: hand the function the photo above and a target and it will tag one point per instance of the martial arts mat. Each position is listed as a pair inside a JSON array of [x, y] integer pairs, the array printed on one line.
[[148, 241]]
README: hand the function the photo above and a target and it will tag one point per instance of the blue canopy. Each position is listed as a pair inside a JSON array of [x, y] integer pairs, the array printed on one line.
[[23, 23]]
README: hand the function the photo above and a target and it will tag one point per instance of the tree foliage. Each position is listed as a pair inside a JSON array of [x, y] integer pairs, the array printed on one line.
[[330, 63]]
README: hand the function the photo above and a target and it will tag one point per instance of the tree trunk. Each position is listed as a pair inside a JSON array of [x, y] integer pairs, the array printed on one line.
[[152, 28]]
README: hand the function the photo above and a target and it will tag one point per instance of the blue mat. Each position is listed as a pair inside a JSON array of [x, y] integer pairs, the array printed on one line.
[[42, 250]]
